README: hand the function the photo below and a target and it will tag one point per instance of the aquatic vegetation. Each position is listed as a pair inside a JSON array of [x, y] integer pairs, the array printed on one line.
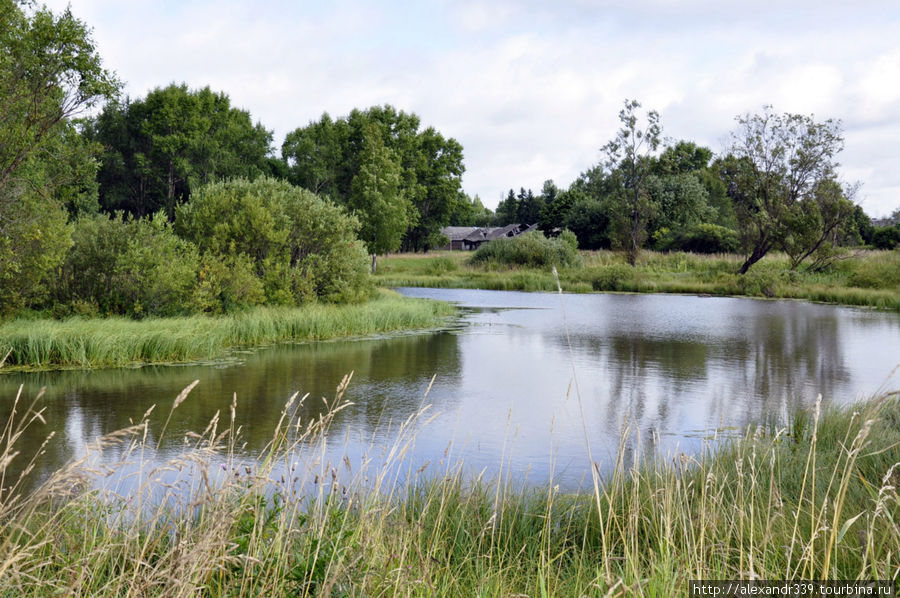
[[96, 342]]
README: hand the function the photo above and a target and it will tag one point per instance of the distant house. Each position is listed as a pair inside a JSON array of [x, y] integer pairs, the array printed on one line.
[[457, 235], [469, 238]]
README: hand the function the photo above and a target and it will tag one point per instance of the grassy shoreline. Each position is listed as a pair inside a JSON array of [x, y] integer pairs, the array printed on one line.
[[106, 342], [814, 499], [870, 279]]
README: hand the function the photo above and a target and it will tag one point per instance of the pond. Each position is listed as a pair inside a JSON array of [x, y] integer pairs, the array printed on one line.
[[521, 383]]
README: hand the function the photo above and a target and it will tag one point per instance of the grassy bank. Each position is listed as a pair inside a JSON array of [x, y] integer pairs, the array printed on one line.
[[83, 342], [871, 278], [816, 499]]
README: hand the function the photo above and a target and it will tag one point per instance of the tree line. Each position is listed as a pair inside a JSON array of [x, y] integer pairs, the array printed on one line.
[[178, 202], [775, 188]]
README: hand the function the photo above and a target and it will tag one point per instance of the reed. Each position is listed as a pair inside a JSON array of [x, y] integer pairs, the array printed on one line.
[[100, 342], [814, 498]]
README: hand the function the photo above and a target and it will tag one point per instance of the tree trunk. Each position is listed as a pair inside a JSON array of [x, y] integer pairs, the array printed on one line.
[[374, 263], [757, 255]]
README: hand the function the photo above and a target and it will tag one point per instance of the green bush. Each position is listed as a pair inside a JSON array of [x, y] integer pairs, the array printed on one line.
[[758, 282], [300, 246], [531, 249], [226, 284], [127, 267], [614, 277], [701, 238], [886, 237], [34, 238]]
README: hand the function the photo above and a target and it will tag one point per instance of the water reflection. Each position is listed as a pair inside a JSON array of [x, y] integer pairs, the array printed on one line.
[[516, 387]]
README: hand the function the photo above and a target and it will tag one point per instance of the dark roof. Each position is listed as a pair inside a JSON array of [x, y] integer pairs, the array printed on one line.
[[495, 232], [458, 233]]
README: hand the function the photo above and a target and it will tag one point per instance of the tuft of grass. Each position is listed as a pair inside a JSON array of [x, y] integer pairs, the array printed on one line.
[[815, 499], [98, 342]]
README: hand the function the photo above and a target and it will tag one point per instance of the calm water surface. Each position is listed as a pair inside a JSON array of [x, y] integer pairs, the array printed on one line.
[[507, 382]]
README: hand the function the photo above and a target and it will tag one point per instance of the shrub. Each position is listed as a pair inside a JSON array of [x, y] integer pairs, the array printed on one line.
[[886, 237], [758, 282], [300, 246], [531, 249], [701, 238], [226, 284], [127, 267], [34, 238], [612, 278]]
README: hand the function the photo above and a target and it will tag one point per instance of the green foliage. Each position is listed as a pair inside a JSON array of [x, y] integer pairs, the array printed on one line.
[[701, 238], [375, 197], [158, 147], [531, 249], [588, 219], [34, 238], [226, 284], [759, 282], [441, 265], [679, 201], [506, 210], [302, 248], [327, 156], [880, 271], [813, 226], [630, 157], [615, 277], [886, 237], [777, 161], [49, 72], [128, 267], [685, 157], [869, 278], [470, 212], [557, 204], [117, 341]]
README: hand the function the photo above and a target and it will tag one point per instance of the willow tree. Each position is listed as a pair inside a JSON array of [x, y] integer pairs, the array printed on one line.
[[777, 161]]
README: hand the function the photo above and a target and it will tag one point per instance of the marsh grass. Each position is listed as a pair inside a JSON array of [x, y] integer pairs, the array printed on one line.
[[870, 278], [81, 342], [815, 498]]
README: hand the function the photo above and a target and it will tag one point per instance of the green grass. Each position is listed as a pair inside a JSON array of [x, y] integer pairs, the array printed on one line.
[[870, 278], [815, 498], [100, 342]]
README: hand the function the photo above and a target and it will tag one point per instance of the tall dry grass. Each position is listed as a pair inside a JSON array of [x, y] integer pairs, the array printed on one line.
[[815, 498]]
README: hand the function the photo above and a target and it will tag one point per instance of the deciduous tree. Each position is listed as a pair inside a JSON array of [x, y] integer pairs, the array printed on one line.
[[376, 199], [778, 160], [159, 146], [629, 156], [326, 157]]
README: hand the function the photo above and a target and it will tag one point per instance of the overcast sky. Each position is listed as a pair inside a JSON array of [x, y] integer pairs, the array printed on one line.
[[531, 89]]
